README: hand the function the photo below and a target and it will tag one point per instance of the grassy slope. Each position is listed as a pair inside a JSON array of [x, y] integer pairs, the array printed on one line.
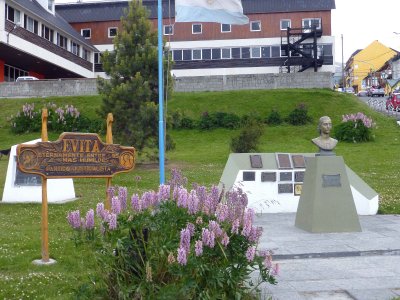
[[200, 154]]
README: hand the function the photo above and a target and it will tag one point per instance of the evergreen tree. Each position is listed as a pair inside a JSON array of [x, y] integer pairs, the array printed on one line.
[[131, 93]]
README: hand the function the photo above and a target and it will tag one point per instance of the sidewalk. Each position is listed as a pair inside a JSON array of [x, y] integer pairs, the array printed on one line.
[[356, 265]]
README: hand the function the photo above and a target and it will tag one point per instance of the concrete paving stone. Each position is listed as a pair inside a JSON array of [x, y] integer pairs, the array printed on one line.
[[314, 285], [396, 291], [282, 296], [323, 295], [366, 283], [372, 294]]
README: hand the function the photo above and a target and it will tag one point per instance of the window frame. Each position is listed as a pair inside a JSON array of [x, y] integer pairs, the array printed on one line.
[[285, 20], [222, 53], [109, 32], [311, 19], [47, 33], [255, 22], [90, 33], [200, 51], [201, 28], [171, 30], [225, 31]]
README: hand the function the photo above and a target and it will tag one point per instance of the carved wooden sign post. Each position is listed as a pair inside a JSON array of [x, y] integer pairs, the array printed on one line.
[[73, 155]]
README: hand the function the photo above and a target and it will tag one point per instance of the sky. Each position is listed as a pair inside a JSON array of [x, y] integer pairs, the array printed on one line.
[[360, 22]]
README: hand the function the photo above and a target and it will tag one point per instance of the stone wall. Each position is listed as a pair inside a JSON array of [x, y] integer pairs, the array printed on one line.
[[76, 87]]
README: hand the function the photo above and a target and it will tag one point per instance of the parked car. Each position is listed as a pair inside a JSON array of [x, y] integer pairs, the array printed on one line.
[[393, 102], [25, 78], [362, 93], [376, 91], [349, 90]]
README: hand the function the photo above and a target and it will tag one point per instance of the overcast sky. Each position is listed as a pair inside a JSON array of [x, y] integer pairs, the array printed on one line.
[[361, 22]]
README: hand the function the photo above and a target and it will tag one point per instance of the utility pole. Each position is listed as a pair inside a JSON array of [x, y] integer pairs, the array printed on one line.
[[343, 83]]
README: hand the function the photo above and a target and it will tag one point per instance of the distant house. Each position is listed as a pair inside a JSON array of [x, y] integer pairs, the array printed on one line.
[[363, 68], [282, 36], [36, 41]]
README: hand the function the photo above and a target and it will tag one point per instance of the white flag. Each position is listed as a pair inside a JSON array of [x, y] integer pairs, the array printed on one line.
[[219, 11]]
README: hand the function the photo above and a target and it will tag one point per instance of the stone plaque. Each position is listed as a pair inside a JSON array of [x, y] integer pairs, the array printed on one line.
[[297, 189], [299, 176], [24, 179], [256, 161], [268, 176], [283, 161], [285, 188], [298, 161], [75, 155], [249, 176], [285, 176], [331, 181]]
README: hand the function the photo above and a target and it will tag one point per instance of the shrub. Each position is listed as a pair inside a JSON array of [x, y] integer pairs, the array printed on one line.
[[274, 118], [219, 120], [354, 128], [27, 120], [249, 138], [299, 116], [178, 244]]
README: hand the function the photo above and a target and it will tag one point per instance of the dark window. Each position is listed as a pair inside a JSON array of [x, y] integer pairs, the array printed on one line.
[[97, 58], [187, 55], [255, 52], [196, 28], [47, 33], [226, 53], [206, 54], [255, 26], [31, 24], [327, 50], [265, 52], [112, 32], [216, 53], [275, 51], [13, 15], [62, 41], [86, 33], [235, 52], [177, 55], [225, 27], [75, 48], [246, 52], [168, 30], [196, 53]]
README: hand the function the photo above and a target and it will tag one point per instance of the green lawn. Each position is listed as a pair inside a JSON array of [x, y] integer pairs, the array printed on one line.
[[201, 155]]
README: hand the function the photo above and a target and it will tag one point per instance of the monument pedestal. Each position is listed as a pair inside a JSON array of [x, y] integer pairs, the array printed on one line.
[[326, 203]]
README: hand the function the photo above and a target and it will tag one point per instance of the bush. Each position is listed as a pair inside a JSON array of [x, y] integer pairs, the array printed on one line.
[[208, 251], [219, 120], [299, 116], [249, 138], [354, 128], [274, 118]]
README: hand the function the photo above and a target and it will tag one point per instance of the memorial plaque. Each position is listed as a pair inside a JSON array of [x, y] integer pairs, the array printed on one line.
[[268, 176], [24, 179], [256, 161], [75, 155], [285, 176], [298, 161], [249, 176], [285, 188], [331, 181], [297, 189], [299, 176], [283, 161]]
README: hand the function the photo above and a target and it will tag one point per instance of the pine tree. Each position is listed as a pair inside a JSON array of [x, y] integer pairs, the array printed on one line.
[[131, 93]]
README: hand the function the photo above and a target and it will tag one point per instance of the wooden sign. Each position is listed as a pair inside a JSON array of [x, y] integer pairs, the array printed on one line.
[[75, 155]]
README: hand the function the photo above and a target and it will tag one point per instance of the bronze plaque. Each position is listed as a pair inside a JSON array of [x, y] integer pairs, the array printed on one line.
[[298, 161], [331, 180], [268, 176], [75, 155], [285, 188], [283, 161], [24, 179], [249, 176], [297, 189], [299, 176], [256, 161], [285, 176]]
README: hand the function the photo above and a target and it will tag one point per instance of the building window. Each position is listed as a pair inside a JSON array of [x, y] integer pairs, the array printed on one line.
[[187, 54], [226, 53], [255, 26], [235, 52], [265, 52], [308, 24], [47, 33], [97, 58], [86, 33], [216, 53], [196, 29], [206, 54], [112, 32], [50, 5], [31, 24], [13, 15], [275, 51], [285, 24], [226, 28], [62, 41], [75, 48], [168, 30], [255, 52], [12, 73], [85, 54], [177, 55], [196, 54], [245, 52]]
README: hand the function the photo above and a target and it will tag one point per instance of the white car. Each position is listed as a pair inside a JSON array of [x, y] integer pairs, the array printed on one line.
[[25, 78]]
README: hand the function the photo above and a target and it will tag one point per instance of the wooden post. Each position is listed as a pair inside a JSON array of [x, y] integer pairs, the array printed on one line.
[[109, 140], [45, 222]]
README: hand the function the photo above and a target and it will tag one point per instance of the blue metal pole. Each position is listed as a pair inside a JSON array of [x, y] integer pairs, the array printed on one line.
[[160, 95]]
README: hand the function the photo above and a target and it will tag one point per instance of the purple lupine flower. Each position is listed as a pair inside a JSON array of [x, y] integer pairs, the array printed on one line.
[[89, 222], [135, 203], [74, 219], [222, 212], [275, 270], [235, 226], [185, 240], [201, 192], [208, 238], [183, 196], [164, 192], [207, 205], [248, 219], [146, 200], [112, 221], [251, 251], [122, 196], [115, 205], [255, 234], [182, 258], [198, 248], [191, 228], [225, 239], [100, 210], [213, 226], [267, 259], [110, 192], [193, 203]]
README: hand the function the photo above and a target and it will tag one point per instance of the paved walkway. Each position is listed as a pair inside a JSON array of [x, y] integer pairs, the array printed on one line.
[[356, 265]]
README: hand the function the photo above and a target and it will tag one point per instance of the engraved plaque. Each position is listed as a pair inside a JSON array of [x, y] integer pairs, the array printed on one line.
[[256, 161], [298, 161], [283, 161], [297, 189], [285, 176], [268, 176], [24, 179], [331, 181], [249, 176], [75, 155], [299, 176], [285, 188]]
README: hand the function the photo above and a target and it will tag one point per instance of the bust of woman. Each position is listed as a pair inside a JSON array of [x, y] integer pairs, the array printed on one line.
[[324, 142]]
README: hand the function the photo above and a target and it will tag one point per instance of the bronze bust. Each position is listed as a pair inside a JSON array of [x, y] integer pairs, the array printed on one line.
[[324, 142]]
